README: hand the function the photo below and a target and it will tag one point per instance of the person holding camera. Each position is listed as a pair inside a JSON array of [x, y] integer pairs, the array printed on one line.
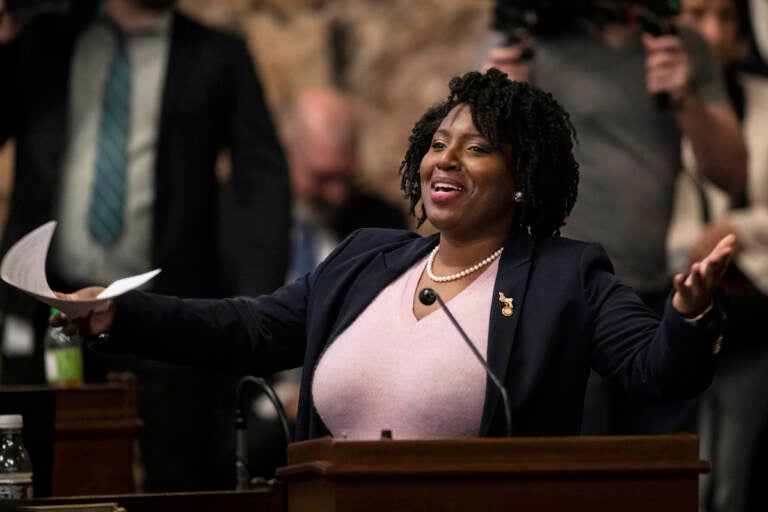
[[634, 86], [735, 408]]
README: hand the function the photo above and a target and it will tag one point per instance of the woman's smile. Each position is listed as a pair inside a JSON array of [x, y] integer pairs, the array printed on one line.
[[444, 190]]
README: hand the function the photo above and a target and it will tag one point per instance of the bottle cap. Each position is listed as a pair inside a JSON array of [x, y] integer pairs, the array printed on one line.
[[11, 421]]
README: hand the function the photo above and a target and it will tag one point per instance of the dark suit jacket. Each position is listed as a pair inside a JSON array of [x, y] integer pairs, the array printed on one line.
[[211, 100], [571, 313]]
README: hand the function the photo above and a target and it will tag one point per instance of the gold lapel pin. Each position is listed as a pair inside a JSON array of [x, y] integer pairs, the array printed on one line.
[[509, 306]]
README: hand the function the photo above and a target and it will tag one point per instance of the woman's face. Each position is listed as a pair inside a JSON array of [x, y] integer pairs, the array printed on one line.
[[466, 184]]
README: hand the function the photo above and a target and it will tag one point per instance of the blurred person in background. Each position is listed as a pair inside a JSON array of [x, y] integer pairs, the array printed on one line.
[[736, 406], [319, 131], [119, 110], [631, 96]]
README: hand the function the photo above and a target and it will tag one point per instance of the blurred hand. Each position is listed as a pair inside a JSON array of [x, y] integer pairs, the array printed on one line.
[[708, 240], [509, 60], [667, 67], [9, 25], [96, 322], [695, 292]]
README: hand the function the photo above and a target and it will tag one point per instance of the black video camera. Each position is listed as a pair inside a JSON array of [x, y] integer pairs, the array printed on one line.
[[517, 18]]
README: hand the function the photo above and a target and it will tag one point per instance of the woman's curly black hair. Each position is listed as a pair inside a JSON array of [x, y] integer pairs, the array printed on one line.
[[512, 115]]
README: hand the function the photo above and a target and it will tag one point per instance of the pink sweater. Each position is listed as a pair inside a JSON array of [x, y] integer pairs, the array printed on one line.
[[417, 378]]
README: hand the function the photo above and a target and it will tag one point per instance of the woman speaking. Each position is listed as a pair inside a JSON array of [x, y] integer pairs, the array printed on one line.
[[492, 169]]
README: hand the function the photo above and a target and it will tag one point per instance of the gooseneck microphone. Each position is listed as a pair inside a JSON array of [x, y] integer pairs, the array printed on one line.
[[242, 475], [428, 296]]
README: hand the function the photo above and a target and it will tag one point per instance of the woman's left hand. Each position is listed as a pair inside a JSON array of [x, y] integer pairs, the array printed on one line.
[[695, 292]]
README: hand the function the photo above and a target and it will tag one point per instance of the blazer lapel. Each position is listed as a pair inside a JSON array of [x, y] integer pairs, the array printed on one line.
[[380, 272], [512, 281]]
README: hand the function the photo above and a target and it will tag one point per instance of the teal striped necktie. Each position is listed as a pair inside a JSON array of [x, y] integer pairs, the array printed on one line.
[[106, 212]]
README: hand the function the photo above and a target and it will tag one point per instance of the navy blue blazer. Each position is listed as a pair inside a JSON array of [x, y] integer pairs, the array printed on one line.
[[571, 313]]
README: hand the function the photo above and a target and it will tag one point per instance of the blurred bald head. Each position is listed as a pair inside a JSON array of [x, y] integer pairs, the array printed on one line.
[[319, 135]]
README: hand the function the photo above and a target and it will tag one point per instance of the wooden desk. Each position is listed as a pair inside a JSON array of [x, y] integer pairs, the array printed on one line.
[[94, 438], [93, 432], [265, 499]]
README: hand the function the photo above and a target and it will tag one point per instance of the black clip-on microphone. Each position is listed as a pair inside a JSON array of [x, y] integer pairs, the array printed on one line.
[[427, 296], [242, 475]]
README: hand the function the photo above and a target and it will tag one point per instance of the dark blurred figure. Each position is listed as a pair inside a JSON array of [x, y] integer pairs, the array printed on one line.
[[736, 406], [634, 87], [319, 131], [120, 109]]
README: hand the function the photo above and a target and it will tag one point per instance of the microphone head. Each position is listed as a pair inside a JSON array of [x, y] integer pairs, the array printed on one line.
[[427, 296]]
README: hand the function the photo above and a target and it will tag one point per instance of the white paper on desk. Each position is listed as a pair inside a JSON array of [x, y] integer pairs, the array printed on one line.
[[24, 268]]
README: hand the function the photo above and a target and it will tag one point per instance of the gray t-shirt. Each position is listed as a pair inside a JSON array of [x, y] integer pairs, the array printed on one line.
[[628, 148]]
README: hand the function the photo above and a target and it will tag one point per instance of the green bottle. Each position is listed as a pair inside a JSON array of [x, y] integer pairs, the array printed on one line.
[[63, 357]]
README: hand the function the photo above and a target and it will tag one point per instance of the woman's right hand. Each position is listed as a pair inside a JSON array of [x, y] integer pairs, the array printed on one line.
[[94, 323]]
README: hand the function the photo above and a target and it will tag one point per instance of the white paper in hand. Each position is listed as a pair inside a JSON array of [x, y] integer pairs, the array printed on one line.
[[24, 268]]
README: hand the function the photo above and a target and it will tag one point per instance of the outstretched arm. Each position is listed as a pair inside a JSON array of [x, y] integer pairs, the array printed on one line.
[[230, 336]]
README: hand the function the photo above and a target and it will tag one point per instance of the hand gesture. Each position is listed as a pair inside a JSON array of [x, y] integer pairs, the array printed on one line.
[[667, 66], [96, 322], [511, 60], [695, 292]]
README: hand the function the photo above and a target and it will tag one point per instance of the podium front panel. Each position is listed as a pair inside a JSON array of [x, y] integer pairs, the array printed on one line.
[[626, 473]]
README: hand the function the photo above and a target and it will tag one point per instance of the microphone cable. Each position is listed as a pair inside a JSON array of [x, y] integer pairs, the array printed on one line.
[[242, 473]]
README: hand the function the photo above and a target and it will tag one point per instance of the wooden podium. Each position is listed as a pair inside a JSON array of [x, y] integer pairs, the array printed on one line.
[[624, 473], [95, 430]]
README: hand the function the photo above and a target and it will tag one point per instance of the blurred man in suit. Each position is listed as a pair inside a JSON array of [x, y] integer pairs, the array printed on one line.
[[120, 109], [319, 132]]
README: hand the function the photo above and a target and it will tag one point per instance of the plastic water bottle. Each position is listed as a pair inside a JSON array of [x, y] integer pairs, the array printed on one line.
[[15, 466], [63, 357]]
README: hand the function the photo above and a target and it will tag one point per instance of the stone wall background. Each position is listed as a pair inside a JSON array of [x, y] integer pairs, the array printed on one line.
[[394, 57]]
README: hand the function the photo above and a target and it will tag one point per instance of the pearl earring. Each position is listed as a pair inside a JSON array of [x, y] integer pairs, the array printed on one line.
[[518, 197]]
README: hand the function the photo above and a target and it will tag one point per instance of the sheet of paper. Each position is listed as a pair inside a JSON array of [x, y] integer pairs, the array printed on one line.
[[23, 267]]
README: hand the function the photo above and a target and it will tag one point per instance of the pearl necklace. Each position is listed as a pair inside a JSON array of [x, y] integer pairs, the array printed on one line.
[[462, 273]]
